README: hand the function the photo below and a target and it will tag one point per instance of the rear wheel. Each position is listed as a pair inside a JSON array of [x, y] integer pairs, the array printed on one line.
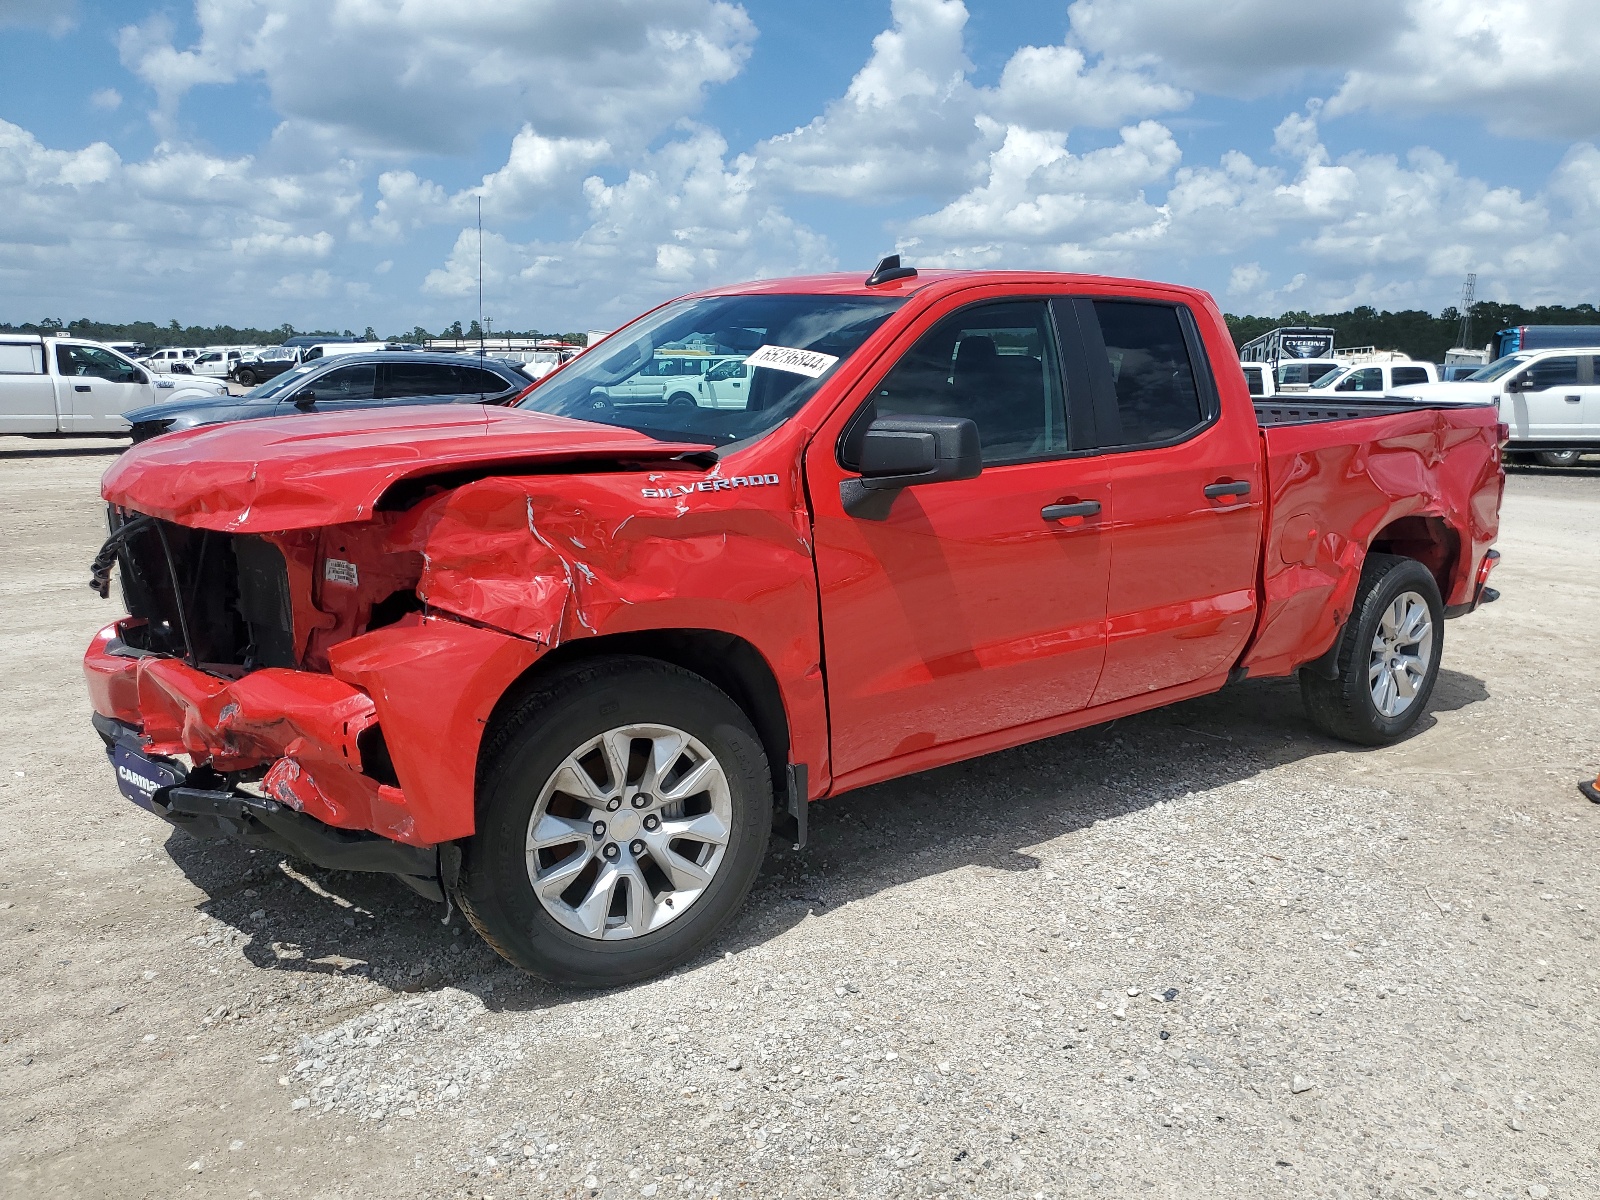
[[1387, 656], [1558, 458], [622, 819], [245, 378]]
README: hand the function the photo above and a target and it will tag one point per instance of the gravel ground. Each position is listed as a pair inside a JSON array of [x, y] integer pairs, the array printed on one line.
[[1199, 952]]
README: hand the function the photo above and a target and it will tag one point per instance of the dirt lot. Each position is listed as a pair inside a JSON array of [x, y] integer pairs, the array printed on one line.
[[1203, 952]]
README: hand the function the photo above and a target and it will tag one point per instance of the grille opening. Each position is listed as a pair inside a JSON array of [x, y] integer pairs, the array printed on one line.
[[230, 590], [392, 607], [375, 760]]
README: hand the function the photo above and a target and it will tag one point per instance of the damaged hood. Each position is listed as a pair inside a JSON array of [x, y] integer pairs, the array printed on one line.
[[311, 471]]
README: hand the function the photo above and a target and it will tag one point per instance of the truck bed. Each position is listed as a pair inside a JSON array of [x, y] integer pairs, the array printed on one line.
[[1290, 410]]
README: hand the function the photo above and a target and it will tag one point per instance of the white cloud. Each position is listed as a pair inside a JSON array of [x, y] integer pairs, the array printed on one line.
[[57, 17], [106, 99], [683, 219], [1525, 66], [1235, 46], [433, 75], [912, 122], [83, 226]]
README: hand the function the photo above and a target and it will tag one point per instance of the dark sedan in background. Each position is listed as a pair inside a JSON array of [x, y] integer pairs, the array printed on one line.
[[343, 382]]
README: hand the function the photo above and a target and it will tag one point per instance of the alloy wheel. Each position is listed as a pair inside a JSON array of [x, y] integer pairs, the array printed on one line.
[[1402, 652], [629, 831]]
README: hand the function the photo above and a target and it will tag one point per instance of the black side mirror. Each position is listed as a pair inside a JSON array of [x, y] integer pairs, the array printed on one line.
[[1523, 383], [898, 452], [305, 399]]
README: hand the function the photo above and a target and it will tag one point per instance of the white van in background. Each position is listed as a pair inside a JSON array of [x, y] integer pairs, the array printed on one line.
[[62, 385]]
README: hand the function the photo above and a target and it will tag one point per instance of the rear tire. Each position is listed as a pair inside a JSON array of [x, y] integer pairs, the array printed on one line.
[[642, 906], [1387, 657], [245, 379], [1558, 458]]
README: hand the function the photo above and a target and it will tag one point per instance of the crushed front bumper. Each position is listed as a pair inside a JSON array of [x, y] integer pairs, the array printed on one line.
[[203, 804]]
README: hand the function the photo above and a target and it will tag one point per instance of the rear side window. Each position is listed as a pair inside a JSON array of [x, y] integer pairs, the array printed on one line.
[[1152, 374], [1405, 376], [420, 379], [1253, 381], [21, 359], [479, 382]]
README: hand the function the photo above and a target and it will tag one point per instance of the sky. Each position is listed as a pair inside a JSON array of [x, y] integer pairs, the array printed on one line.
[[321, 162]]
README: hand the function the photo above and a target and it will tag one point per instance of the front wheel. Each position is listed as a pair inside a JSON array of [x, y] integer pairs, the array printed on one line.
[[245, 378], [622, 818], [1387, 657], [1559, 458]]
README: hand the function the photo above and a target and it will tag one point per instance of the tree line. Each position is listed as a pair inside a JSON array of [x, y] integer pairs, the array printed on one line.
[[1419, 334], [173, 333]]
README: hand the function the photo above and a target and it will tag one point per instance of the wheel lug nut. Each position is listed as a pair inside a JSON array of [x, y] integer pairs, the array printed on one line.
[[599, 829], [652, 821], [611, 851], [636, 847], [613, 804], [640, 800]]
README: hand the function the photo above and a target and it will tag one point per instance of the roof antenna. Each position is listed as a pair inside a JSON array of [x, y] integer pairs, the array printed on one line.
[[888, 270]]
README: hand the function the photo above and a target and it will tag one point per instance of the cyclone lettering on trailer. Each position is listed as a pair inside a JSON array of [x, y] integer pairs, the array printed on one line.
[[710, 485]]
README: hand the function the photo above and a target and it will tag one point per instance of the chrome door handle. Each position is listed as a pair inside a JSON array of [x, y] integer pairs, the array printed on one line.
[[1060, 512]]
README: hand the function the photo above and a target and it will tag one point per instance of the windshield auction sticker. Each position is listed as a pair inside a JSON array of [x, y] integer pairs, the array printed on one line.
[[787, 358]]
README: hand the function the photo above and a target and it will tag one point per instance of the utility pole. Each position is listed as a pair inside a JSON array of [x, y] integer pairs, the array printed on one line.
[[1468, 290], [480, 276]]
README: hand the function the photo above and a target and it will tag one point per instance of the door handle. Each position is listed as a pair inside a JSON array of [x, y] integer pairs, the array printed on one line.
[[1572, 399], [1060, 512], [1215, 491], [80, 387]]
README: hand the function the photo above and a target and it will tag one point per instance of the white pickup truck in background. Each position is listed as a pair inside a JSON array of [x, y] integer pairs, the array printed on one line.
[[1376, 377], [1550, 399], [61, 385]]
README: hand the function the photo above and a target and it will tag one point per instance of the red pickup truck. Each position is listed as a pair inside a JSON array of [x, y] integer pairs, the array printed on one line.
[[566, 662]]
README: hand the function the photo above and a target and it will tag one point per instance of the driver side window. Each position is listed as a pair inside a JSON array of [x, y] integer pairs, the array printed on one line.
[[346, 383], [91, 362], [995, 364]]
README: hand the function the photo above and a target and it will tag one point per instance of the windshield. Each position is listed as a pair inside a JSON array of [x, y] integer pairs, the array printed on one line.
[[655, 376], [1331, 379], [1499, 368], [1304, 372]]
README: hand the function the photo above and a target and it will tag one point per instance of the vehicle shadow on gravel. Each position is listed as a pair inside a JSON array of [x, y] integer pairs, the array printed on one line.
[[64, 451], [984, 814]]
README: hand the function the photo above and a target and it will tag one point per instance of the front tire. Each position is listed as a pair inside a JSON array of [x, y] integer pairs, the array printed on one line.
[[245, 378], [623, 814], [1387, 657]]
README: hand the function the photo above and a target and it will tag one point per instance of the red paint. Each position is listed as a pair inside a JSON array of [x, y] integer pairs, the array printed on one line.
[[958, 623]]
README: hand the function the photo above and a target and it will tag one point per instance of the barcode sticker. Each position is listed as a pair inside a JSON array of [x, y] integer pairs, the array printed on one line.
[[786, 358], [336, 570]]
